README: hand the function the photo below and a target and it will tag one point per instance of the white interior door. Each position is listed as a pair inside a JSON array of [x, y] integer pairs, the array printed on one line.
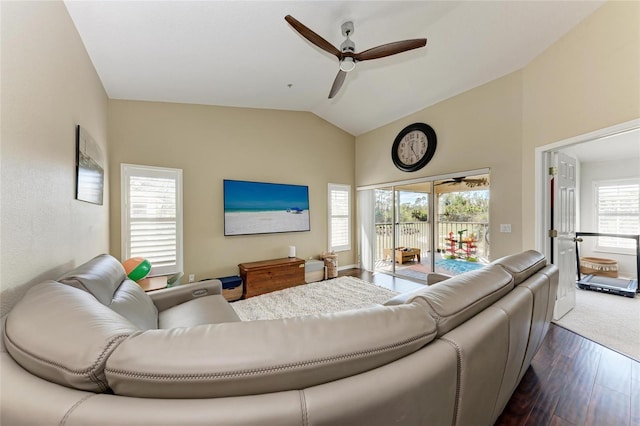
[[563, 216]]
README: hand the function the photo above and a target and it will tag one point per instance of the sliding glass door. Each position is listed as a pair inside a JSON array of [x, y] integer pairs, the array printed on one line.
[[408, 229], [462, 230], [402, 229]]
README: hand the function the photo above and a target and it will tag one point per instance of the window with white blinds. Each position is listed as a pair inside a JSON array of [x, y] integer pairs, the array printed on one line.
[[339, 217], [152, 216], [617, 212]]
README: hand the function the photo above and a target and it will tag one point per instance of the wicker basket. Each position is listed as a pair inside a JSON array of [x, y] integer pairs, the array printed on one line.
[[599, 266], [331, 263], [232, 287], [232, 293]]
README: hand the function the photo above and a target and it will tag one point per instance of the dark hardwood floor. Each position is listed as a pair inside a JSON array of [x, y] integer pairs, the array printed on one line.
[[572, 380], [575, 381], [383, 280]]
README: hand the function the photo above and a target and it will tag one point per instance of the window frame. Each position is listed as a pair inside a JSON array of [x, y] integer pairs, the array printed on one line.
[[129, 170], [599, 246], [333, 187]]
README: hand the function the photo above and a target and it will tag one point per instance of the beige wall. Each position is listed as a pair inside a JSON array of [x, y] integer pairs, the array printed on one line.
[[478, 129], [588, 80], [48, 86], [214, 143]]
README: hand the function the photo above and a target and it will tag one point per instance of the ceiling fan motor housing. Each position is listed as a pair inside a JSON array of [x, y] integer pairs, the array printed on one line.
[[347, 63], [348, 46]]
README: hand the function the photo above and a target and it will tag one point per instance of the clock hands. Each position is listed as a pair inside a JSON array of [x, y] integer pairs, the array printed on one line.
[[413, 150]]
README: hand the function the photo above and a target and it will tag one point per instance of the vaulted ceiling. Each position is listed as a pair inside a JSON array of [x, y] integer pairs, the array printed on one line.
[[244, 54]]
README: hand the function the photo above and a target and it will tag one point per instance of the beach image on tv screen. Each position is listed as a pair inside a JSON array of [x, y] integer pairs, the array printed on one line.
[[264, 208]]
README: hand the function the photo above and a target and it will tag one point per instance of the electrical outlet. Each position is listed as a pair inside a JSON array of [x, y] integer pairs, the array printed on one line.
[[192, 277], [505, 227]]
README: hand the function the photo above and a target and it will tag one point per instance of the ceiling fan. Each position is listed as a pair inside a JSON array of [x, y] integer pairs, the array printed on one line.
[[470, 182], [347, 53]]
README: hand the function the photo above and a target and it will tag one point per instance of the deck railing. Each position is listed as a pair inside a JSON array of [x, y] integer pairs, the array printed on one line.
[[416, 235]]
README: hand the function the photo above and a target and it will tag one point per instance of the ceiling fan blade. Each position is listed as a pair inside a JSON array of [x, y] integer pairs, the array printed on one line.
[[312, 37], [452, 181], [390, 49], [337, 83]]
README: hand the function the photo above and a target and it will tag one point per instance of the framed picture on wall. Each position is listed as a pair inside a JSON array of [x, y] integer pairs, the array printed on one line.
[[89, 170]]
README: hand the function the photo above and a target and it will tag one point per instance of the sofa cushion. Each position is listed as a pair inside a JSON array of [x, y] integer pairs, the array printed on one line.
[[433, 278], [203, 310], [518, 308], [254, 357], [105, 278], [436, 277], [482, 346], [522, 265], [453, 301], [64, 335], [538, 286], [133, 303]]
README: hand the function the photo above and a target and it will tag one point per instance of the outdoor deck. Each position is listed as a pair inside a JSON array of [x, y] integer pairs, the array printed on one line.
[[416, 235], [417, 270]]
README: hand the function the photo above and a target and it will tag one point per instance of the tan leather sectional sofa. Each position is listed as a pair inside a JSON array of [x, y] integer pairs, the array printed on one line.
[[93, 349]]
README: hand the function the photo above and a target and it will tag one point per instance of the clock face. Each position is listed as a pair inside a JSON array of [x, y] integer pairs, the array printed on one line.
[[414, 147]]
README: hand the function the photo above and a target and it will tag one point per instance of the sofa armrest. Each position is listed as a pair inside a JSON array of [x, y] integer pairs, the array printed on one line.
[[402, 298], [436, 277], [172, 296]]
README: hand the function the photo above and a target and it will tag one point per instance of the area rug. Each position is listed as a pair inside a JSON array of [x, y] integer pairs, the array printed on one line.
[[457, 266], [610, 320], [338, 294]]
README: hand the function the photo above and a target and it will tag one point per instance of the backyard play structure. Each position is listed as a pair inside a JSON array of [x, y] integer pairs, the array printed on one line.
[[461, 247]]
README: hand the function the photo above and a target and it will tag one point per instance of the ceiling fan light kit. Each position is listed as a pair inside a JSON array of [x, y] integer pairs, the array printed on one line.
[[347, 64], [347, 55]]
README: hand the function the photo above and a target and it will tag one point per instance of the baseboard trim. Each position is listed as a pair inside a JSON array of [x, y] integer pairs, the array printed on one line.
[[352, 266]]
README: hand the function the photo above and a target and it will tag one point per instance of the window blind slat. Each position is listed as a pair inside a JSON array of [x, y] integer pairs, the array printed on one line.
[[152, 213], [617, 212], [339, 217]]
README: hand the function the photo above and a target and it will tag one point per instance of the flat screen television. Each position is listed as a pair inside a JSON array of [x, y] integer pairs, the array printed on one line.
[[265, 208]]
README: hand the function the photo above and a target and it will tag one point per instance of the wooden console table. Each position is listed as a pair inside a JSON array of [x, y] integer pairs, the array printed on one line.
[[271, 275]]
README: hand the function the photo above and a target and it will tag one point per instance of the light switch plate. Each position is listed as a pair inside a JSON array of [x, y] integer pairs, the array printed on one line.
[[505, 227]]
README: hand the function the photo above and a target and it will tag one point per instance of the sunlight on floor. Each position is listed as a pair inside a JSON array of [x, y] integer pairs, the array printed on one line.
[[417, 270]]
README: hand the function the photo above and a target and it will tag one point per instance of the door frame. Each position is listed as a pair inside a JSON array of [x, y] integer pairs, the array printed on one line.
[[542, 195]]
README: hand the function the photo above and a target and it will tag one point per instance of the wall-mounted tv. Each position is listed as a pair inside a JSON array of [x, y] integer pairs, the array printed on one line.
[[265, 208]]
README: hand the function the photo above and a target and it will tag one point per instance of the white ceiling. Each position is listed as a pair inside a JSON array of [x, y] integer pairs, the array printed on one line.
[[621, 146], [244, 54]]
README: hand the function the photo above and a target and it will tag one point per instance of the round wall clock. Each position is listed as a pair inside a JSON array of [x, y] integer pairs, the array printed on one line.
[[414, 147]]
